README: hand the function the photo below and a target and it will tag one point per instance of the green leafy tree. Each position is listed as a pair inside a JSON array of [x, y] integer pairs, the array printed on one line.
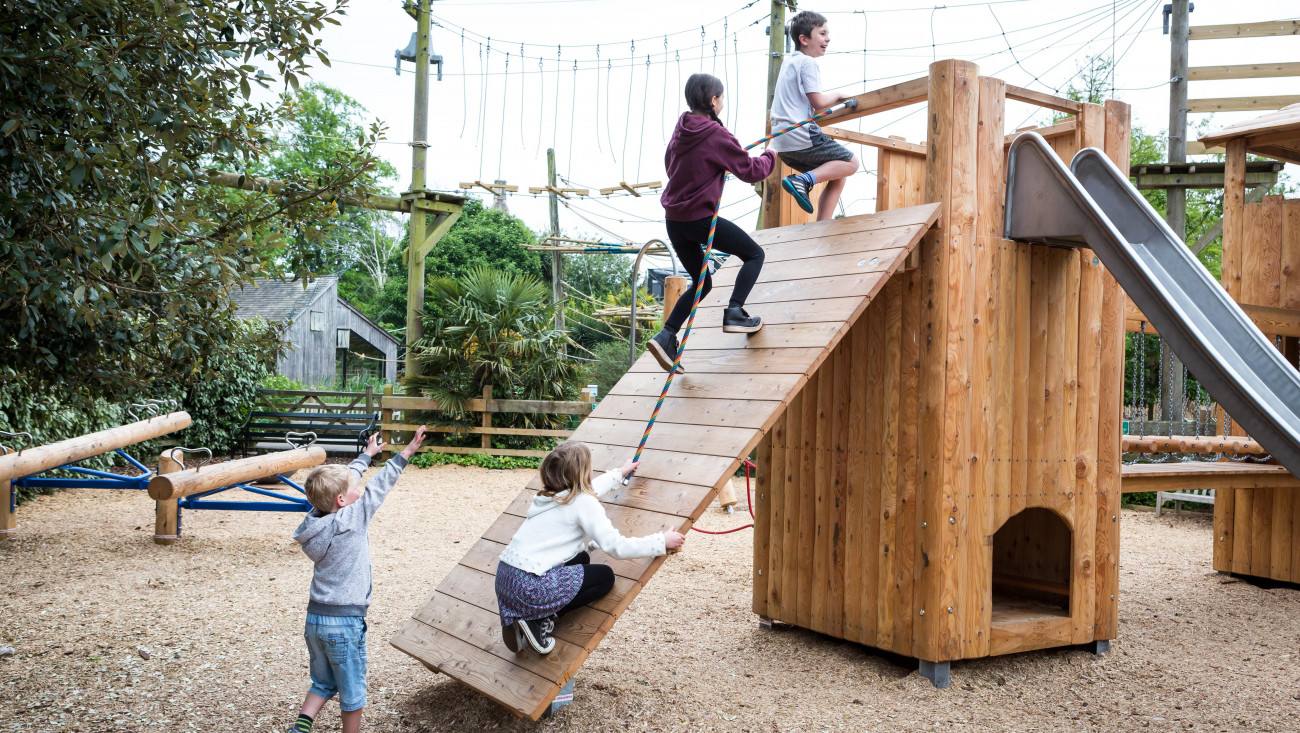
[[115, 253], [493, 328], [485, 238]]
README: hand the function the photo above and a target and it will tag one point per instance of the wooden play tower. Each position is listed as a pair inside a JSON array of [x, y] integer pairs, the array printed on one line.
[[946, 484]]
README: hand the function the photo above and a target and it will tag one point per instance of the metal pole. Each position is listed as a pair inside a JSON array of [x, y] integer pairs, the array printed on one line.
[[419, 148], [1171, 403], [557, 263], [636, 270]]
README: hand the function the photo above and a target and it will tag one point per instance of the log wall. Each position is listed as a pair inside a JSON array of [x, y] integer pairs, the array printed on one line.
[[976, 386]]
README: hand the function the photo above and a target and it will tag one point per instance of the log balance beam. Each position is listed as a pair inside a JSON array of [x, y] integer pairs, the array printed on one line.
[[42, 458], [180, 484], [1191, 444]]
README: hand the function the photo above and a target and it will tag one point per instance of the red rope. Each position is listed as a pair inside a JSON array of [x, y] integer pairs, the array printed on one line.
[[749, 499]]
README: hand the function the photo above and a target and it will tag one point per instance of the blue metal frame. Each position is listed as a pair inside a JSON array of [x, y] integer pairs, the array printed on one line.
[[102, 480], [286, 503]]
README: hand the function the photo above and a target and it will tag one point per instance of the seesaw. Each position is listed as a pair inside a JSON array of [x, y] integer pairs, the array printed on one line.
[[177, 488]]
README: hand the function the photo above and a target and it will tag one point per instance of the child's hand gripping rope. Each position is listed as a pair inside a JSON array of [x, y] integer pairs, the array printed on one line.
[[699, 288]]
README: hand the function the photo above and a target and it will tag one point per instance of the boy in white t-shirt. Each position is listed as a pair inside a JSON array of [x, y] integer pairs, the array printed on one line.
[[798, 95]]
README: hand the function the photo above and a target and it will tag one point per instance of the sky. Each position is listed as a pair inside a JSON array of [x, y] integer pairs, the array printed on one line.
[[493, 116]]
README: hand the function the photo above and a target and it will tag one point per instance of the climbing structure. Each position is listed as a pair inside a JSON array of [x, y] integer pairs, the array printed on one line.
[[817, 280]]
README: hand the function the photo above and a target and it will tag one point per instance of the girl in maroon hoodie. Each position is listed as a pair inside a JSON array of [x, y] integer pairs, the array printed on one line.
[[699, 154]]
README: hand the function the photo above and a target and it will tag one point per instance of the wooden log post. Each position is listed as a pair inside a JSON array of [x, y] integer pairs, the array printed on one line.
[[45, 457], [167, 513], [674, 287], [205, 478], [8, 513], [385, 419], [486, 441]]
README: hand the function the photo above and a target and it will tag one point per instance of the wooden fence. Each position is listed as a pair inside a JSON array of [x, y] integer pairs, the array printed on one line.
[[310, 400], [393, 408]]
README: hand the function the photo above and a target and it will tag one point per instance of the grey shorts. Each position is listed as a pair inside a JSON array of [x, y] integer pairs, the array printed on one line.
[[823, 150]]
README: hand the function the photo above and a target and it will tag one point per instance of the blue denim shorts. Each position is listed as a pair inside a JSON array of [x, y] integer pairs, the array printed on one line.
[[337, 645]]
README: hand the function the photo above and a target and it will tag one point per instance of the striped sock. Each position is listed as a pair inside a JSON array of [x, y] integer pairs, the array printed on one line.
[[301, 725], [809, 178]]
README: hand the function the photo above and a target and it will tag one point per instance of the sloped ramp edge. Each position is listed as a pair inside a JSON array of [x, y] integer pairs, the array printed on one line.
[[817, 280]]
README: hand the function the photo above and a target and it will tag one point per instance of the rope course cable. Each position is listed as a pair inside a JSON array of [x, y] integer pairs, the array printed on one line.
[[555, 121], [482, 116], [464, 93], [573, 116], [479, 104], [609, 134], [663, 106], [645, 99], [541, 104], [505, 101], [597, 108], [523, 88], [631, 77]]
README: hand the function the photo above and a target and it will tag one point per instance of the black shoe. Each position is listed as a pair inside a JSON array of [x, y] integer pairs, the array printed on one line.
[[664, 349], [538, 633], [736, 320], [513, 637], [798, 188]]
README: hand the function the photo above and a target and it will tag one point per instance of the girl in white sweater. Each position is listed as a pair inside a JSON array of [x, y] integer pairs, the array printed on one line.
[[545, 571]]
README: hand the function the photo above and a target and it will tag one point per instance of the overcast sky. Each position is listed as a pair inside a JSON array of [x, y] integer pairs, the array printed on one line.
[[490, 119]]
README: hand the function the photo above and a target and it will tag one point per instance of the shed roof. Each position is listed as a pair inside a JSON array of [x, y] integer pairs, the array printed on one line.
[[278, 301], [1276, 134]]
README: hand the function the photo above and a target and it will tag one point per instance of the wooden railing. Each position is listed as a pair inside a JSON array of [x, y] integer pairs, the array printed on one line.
[[392, 408]]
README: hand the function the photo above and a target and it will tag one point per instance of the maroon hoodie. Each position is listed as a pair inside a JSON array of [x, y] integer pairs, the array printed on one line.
[[699, 153]]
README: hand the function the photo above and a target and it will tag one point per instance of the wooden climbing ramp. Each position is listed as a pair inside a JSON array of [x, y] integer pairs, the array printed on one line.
[[817, 280]]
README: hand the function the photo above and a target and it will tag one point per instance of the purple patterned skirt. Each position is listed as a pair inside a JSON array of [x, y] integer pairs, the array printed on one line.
[[522, 595]]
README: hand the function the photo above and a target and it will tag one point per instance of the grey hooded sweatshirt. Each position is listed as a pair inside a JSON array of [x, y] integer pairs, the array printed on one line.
[[339, 544]]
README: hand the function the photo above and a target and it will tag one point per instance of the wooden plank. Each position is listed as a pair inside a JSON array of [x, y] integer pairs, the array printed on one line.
[[861, 453], [1244, 30], [825, 501], [762, 531], [785, 336], [688, 410], [830, 286], [804, 268], [665, 465], [738, 361], [1243, 517], [1067, 127], [1271, 321], [840, 389], [875, 141], [792, 528], [1033, 632], [1042, 99], [1280, 534], [807, 501], [883, 100], [797, 311], [1242, 104], [1295, 525], [922, 215], [814, 245], [514, 687], [1037, 382], [701, 439], [1261, 530], [1243, 71], [1290, 260], [896, 619], [774, 506], [1267, 218], [406, 402], [711, 386], [883, 426], [1022, 362]]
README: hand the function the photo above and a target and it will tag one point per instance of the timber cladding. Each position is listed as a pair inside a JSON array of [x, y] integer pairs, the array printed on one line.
[[946, 484], [1255, 528]]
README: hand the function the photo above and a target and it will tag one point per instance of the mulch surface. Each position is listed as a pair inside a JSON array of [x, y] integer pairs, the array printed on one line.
[[111, 632]]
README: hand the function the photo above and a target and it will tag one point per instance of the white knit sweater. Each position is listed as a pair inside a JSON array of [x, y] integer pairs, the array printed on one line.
[[553, 533]]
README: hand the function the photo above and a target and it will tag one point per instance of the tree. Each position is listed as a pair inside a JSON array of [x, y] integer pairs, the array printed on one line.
[[115, 254], [494, 328], [485, 238]]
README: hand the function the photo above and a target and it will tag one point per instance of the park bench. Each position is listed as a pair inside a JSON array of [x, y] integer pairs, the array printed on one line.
[[1196, 496], [350, 429]]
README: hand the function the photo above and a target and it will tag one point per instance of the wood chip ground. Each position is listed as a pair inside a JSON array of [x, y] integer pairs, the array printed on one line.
[[114, 633]]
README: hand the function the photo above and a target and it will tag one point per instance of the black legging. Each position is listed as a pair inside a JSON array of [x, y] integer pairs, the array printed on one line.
[[688, 239], [597, 581]]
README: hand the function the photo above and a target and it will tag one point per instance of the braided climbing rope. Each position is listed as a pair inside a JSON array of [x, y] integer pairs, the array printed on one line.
[[704, 272]]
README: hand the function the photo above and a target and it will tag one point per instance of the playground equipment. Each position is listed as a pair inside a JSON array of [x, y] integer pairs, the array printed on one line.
[[172, 487]]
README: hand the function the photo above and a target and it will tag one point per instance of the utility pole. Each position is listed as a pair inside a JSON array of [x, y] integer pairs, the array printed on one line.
[[557, 264], [419, 150], [1177, 24], [775, 56]]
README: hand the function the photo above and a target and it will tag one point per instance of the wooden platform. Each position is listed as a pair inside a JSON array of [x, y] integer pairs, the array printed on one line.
[[1220, 475], [817, 280]]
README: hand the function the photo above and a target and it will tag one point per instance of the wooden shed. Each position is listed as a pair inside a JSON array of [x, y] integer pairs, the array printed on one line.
[[1255, 522], [946, 485], [327, 337]]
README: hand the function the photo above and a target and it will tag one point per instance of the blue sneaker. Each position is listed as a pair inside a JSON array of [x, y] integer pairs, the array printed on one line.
[[798, 188]]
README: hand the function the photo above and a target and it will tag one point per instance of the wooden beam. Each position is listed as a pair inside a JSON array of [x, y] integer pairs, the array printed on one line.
[[44, 457], [875, 141], [1242, 104], [631, 188], [884, 99], [1271, 321], [1213, 179], [1220, 476], [1042, 99], [1192, 444], [172, 486], [561, 192], [492, 188], [1244, 30], [1050, 131], [1196, 147], [1243, 71], [267, 185]]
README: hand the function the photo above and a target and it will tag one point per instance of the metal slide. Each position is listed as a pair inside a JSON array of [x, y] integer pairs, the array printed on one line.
[[1092, 204]]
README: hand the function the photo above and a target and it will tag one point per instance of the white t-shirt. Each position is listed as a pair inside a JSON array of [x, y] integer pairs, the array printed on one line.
[[799, 76]]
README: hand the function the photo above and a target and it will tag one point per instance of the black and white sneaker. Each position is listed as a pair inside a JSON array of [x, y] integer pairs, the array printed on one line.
[[736, 320], [664, 349], [538, 633], [513, 637], [797, 187]]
